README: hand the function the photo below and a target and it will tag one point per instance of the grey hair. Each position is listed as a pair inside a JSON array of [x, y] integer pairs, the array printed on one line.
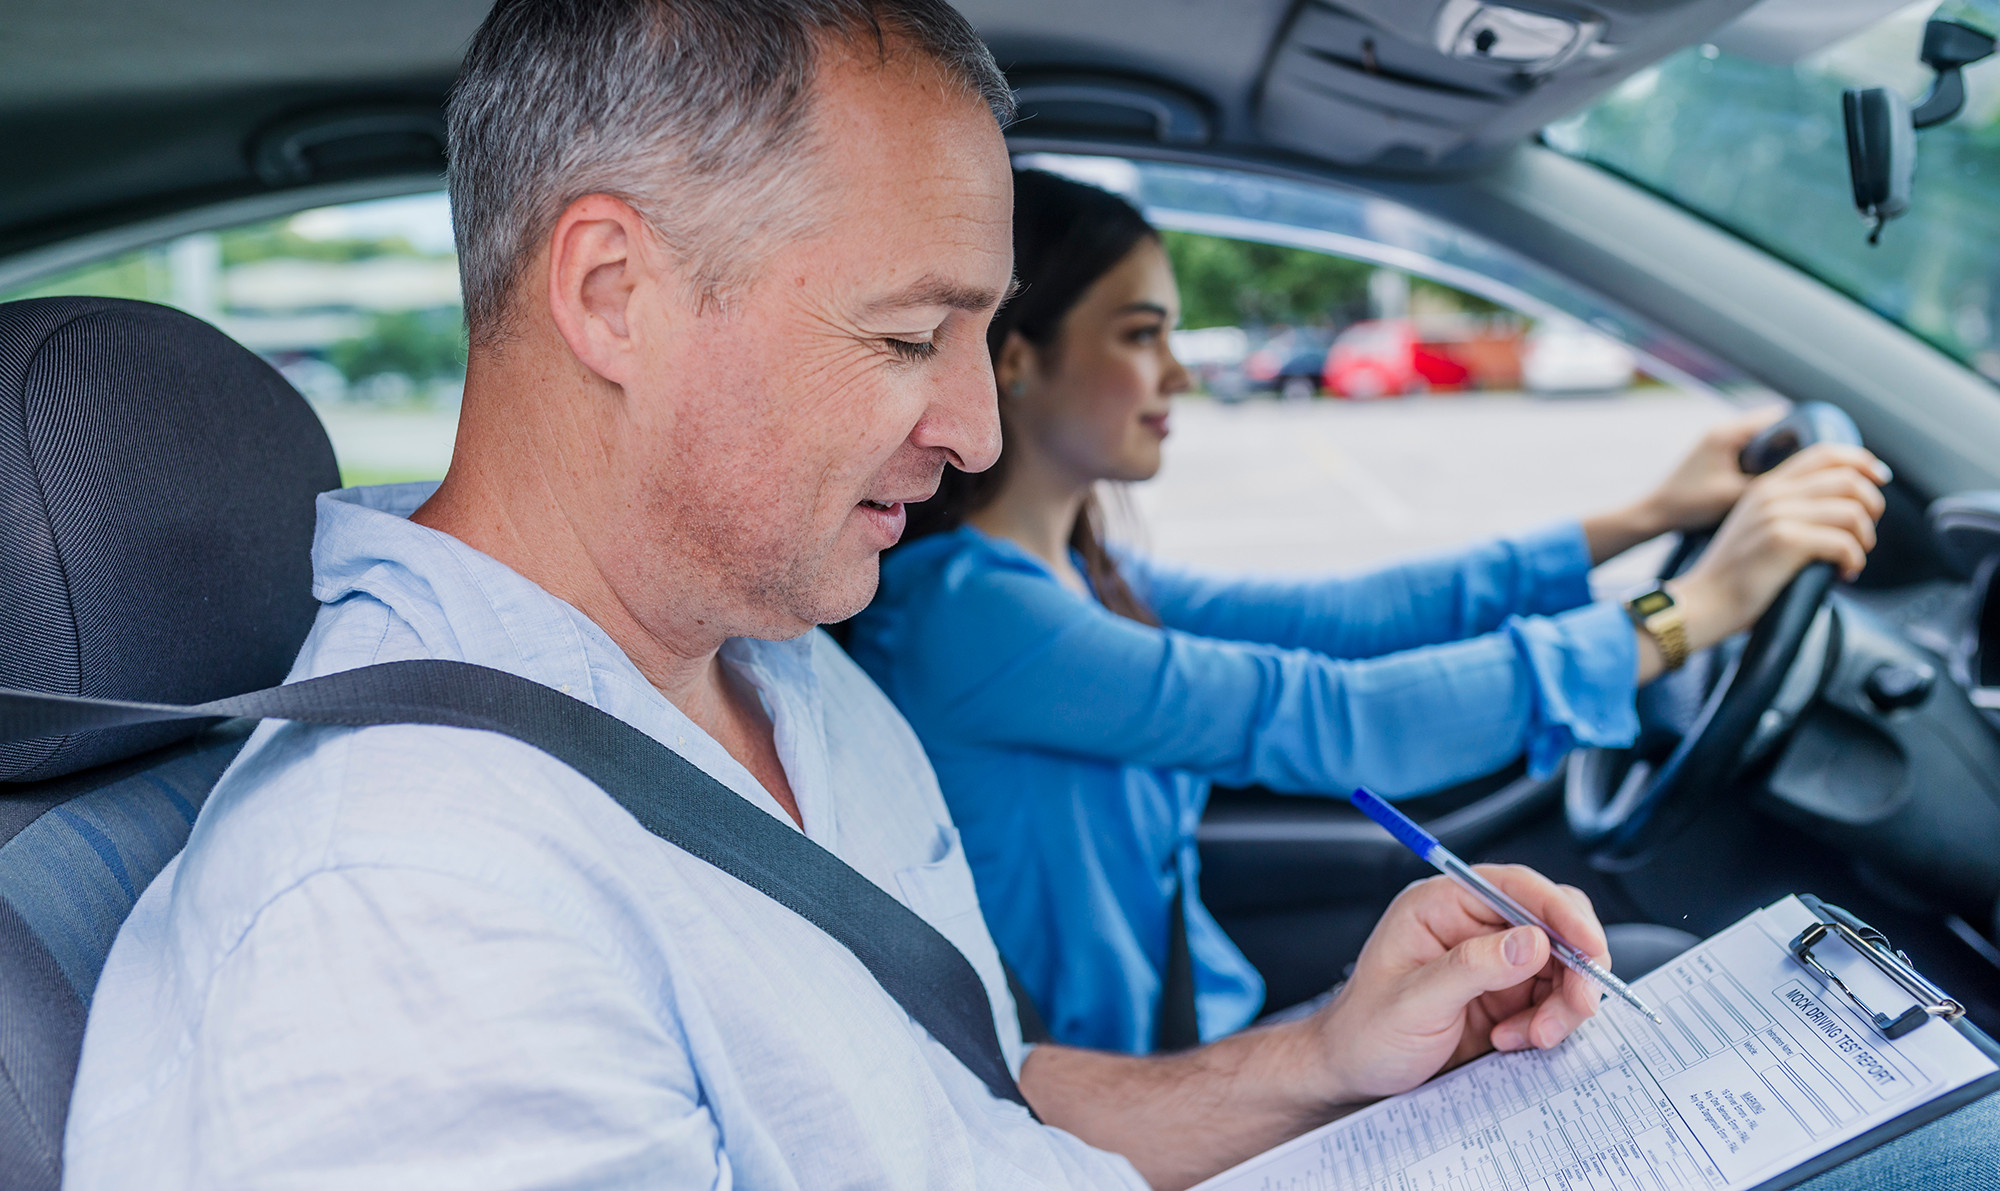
[[695, 112]]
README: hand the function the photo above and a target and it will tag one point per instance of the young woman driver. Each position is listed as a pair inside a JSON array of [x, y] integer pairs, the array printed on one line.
[[1077, 704]]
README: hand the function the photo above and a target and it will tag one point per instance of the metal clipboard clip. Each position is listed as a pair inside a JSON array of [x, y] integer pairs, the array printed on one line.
[[1874, 946]]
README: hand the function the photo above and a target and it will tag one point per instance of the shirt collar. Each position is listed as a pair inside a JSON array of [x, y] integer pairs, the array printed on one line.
[[467, 606]]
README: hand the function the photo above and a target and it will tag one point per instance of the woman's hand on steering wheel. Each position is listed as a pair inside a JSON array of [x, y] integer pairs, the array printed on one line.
[[1698, 493], [1767, 568], [1708, 482], [1820, 505]]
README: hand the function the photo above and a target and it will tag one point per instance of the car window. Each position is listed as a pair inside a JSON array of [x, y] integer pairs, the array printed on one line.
[[357, 304], [1423, 436], [1758, 147], [1471, 393]]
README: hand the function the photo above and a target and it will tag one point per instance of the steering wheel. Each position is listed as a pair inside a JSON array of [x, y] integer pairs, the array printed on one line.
[[1697, 725]]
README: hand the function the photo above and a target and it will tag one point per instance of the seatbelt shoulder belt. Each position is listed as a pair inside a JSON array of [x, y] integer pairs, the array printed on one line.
[[667, 794]]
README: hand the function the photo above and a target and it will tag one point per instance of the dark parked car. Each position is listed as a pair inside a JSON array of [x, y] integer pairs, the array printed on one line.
[[1289, 364]]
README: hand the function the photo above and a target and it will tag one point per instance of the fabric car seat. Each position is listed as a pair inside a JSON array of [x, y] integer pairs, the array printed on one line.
[[156, 516]]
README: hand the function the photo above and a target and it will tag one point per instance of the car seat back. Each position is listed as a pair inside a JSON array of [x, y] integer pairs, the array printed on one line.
[[156, 512]]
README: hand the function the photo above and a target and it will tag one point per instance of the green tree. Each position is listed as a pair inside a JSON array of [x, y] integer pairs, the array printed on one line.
[[1230, 282], [420, 344], [276, 239], [141, 275]]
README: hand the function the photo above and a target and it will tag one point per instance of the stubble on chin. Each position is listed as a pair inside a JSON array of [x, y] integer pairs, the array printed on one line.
[[798, 590], [736, 570]]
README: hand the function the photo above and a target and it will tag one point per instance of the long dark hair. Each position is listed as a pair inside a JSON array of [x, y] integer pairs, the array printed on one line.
[[1066, 236]]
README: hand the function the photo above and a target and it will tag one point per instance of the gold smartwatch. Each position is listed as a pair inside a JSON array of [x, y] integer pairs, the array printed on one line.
[[1662, 619]]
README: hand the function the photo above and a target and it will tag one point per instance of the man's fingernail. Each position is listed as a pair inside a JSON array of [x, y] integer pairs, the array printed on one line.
[[1517, 947], [1508, 1038], [1882, 473]]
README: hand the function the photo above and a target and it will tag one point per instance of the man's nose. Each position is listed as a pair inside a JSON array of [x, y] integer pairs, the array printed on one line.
[[963, 418]]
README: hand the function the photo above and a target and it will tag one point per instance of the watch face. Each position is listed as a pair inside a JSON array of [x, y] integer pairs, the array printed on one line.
[[1651, 602]]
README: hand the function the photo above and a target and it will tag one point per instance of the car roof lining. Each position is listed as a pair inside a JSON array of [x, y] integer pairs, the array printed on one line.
[[122, 109], [131, 123]]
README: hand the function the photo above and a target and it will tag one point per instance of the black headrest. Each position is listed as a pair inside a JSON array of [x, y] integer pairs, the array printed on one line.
[[156, 517]]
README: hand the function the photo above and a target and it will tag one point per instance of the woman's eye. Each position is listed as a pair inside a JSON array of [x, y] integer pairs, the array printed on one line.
[[1146, 335], [912, 349]]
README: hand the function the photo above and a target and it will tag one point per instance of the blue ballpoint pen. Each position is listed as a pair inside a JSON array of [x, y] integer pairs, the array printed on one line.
[[1424, 844]]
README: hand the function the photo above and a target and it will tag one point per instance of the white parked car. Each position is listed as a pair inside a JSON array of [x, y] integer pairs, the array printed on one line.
[[1574, 359]]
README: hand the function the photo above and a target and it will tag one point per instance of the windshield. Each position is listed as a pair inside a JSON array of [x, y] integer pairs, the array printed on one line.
[[1758, 148]]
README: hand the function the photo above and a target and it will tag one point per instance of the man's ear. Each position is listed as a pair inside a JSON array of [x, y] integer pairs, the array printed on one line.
[[1016, 365], [603, 271]]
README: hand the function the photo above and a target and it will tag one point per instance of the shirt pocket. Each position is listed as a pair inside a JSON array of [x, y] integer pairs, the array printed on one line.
[[941, 890]]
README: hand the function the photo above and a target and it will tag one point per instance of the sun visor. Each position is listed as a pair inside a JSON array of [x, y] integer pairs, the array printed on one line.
[[1395, 85], [1348, 90], [1788, 30]]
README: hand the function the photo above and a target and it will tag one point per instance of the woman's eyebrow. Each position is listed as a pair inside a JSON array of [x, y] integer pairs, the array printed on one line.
[[1141, 308]]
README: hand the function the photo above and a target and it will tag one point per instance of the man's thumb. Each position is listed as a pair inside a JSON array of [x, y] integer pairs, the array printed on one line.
[[1479, 965]]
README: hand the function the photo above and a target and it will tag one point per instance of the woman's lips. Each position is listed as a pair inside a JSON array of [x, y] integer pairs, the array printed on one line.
[[1157, 423]]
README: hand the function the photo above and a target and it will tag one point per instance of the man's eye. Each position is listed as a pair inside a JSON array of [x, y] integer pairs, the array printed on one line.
[[912, 349]]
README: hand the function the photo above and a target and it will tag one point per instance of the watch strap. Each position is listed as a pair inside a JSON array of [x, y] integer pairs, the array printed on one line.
[[1659, 615]]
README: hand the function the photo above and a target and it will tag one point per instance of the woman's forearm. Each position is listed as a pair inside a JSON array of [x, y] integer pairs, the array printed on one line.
[[1612, 533]]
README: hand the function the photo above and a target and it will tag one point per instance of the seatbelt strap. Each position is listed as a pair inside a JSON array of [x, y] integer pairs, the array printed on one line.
[[666, 793], [1176, 1028]]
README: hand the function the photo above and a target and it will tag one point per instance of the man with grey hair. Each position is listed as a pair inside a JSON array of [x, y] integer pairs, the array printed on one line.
[[728, 268]]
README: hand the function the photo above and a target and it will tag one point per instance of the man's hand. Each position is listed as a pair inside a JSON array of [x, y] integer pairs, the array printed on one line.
[[1443, 979], [1820, 505], [1695, 495]]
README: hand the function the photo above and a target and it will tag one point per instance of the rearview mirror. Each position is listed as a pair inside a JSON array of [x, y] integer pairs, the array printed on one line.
[[1881, 153], [1881, 127]]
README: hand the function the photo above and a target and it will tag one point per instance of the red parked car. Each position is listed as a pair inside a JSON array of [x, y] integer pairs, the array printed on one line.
[[1386, 358], [1376, 358]]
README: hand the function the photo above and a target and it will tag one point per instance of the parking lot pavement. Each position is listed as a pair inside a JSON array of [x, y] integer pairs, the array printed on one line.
[[1328, 485]]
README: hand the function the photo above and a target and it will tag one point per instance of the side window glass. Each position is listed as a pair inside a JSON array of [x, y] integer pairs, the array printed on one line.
[[1370, 385], [357, 305]]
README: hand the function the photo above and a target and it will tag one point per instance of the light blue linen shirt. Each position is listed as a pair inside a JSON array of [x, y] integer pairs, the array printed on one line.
[[1076, 747], [433, 958]]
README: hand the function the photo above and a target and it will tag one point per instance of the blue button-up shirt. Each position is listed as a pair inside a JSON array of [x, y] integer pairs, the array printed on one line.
[[433, 958], [1076, 747]]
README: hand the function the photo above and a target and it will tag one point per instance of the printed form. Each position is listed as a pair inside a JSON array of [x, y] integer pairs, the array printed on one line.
[[1757, 1070]]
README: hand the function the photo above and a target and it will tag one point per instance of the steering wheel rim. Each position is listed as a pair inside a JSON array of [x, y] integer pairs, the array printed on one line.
[[1623, 811]]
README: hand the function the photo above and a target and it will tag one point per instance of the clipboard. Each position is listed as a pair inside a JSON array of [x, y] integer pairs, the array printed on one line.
[[1768, 1046], [1932, 1003]]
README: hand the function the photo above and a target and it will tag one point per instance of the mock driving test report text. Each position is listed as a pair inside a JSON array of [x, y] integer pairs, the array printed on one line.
[[1757, 1070]]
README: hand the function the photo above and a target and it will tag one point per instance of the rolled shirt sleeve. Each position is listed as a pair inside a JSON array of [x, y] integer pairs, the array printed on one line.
[[1583, 665]]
